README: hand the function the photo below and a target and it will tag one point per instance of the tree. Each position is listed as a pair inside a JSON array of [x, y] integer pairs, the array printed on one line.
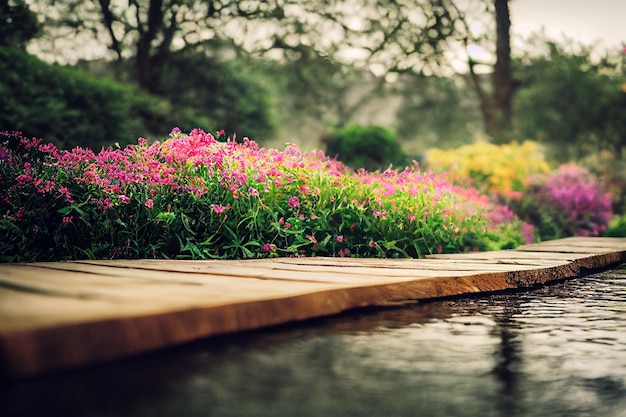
[[18, 24], [394, 35], [385, 37], [146, 31], [570, 102], [496, 99]]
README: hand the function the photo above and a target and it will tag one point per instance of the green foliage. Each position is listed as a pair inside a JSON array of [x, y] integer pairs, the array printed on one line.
[[571, 104], [17, 24], [207, 92], [369, 147], [617, 227], [67, 106]]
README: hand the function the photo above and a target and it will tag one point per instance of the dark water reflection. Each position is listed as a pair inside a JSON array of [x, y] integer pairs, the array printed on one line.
[[553, 351]]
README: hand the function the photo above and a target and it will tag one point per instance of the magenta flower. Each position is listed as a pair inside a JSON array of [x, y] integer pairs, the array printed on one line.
[[123, 198], [149, 203], [340, 238], [294, 202], [219, 209]]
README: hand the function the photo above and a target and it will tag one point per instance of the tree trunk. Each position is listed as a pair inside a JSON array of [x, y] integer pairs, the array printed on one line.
[[502, 76], [149, 67], [496, 107]]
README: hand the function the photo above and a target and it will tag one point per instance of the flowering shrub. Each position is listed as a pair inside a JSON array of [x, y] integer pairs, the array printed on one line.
[[498, 169], [193, 196], [567, 202]]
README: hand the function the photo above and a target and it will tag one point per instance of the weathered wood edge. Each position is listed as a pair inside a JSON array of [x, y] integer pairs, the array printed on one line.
[[26, 354]]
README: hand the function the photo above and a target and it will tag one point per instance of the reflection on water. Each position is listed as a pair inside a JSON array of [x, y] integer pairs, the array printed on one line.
[[554, 351]]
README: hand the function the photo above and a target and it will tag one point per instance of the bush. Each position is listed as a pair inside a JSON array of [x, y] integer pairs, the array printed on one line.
[[369, 147], [67, 106], [496, 169], [611, 173], [570, 201], [567, 202], [617, 227], [194, 197]]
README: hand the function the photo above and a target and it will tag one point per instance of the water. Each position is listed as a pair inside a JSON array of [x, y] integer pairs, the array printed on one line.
[[553, 351]]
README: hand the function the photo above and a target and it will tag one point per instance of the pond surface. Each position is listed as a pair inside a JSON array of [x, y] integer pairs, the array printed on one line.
[[554, 351]]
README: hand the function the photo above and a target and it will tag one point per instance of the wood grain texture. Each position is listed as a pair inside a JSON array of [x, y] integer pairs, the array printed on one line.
[[61, 315]]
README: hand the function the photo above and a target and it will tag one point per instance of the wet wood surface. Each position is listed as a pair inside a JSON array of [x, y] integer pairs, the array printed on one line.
[[62, 315]]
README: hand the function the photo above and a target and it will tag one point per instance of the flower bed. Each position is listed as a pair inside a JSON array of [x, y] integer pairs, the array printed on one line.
[[569, 201], [196, 197]]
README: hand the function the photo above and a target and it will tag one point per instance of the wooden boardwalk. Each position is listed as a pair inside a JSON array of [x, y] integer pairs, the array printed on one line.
[[61, 315]]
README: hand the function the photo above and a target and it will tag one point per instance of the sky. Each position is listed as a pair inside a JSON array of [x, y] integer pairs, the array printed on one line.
[[592, 22]]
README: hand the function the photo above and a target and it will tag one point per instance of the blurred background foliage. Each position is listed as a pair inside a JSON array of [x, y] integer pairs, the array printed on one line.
[[376, 148], [93, 73]]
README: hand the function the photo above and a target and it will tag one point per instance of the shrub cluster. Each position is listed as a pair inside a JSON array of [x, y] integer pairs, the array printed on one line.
[[570, 201], [194, 196], [496, 169], [368, 147], [70, 107], [567, 202]]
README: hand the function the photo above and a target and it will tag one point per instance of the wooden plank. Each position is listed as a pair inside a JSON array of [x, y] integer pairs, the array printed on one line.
[[59, 315]]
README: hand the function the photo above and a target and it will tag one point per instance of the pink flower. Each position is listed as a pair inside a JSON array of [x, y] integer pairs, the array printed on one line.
[[304, 189], [64, 191], [219, 209], [411, 217], [373, 244], [340, 238], [294, 202], [123, 198], [253, 192], [149, 203], [268, 247], [68, 219]]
